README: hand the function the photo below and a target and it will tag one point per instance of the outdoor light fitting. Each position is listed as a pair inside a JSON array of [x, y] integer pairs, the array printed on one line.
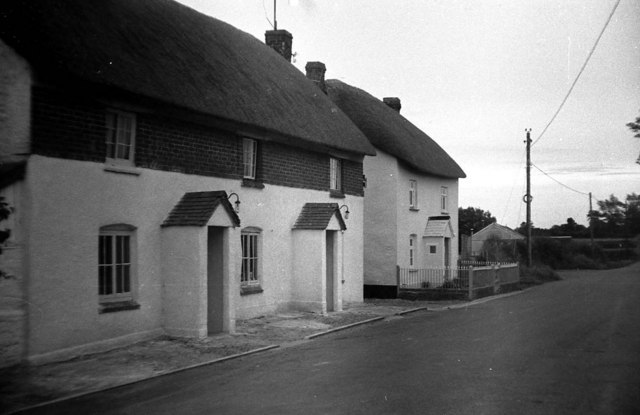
[[237, 202], [346, 213]]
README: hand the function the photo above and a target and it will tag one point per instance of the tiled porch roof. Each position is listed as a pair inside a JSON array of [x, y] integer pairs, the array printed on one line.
[[318, 216], [196, 208], [437, 226]]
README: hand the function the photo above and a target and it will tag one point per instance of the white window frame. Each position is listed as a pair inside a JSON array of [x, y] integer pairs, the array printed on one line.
[[412, 250], [335, 174], [444, 199], [249, 158], [251, 245], [413, 194], [117, 263], [120, 137]]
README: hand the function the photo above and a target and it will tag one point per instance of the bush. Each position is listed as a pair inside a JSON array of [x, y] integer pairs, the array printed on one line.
[[578, 253], [581, 261], [537, 274]]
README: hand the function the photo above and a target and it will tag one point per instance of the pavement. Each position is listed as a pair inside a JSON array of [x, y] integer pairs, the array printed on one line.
[[25, 386]]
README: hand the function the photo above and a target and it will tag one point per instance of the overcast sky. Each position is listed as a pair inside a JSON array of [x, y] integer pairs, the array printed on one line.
[[474, 74]]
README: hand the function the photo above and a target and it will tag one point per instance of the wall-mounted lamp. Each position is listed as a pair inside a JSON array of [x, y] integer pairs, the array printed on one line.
[[346, 213], [237, 202]]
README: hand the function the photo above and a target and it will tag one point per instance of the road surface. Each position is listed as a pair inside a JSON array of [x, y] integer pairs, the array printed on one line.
[[568, 347]]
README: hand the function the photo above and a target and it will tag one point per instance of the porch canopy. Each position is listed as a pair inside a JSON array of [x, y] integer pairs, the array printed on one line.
[[439, 227], [319, 216]]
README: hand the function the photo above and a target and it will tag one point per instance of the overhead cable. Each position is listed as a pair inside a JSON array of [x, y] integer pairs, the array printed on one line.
[[579, 73]]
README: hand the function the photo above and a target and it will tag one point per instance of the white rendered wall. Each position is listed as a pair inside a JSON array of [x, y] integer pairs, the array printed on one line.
[[415, 221], [73, 199], [309, 268], [380, 219], [184, 270]]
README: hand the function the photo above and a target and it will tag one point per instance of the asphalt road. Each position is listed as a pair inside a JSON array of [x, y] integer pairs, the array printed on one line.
[[569, 347]]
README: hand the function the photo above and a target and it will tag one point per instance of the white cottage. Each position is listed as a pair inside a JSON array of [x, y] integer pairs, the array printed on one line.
[[411, 198], [163, 166]]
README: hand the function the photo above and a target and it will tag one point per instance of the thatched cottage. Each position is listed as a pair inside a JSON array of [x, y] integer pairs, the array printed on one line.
[[169, 173], [411, 200]]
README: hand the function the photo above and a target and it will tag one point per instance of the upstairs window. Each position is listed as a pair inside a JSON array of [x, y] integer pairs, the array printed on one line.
[[121, 137], [413, 194], [444, 199], [249, 158], [335, 175]]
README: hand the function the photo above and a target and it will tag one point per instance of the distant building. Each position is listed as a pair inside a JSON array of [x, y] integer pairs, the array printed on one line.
[[487, 241]]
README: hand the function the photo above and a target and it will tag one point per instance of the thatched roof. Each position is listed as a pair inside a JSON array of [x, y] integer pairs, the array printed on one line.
[[165, 51], [389, 131]]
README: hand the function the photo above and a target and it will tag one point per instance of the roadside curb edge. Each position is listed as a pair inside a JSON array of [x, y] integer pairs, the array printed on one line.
[[170, 372], [371, 320]]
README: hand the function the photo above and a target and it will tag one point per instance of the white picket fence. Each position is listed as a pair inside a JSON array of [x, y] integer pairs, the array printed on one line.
[[477, 279]]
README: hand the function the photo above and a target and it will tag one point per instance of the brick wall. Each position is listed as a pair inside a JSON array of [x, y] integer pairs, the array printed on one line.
[[75, 129], [352, 178], [176, 146], [65, 128], [288, 166]]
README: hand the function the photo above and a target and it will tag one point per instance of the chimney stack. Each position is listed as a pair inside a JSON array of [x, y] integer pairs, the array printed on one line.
[[281, 41], [393, 102], [315, 72]]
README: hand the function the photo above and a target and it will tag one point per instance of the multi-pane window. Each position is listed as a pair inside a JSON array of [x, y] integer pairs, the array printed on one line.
[[115, 263], [250, 258], [411, 250], [249, 157], [444, 202], [121, 134], [335, 177], [413, 194], [433, 249]]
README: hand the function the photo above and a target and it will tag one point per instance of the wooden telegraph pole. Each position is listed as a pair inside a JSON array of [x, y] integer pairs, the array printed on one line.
[[591, 224], [527, 198]]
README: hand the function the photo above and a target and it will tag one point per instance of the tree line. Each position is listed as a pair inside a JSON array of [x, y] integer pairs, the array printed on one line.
[[615, 218]]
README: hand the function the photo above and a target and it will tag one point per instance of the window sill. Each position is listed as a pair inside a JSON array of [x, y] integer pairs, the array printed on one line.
[[256, 184], [414, 209], [118, 306], [251, 289], [113, 168], [336, 194]]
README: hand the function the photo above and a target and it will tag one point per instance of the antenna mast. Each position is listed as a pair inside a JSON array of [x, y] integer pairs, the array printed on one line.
[[275, 21]]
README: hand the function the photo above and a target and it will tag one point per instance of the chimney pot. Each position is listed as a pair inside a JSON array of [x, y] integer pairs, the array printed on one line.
[[393, 102], [315, 72], [281, 41]]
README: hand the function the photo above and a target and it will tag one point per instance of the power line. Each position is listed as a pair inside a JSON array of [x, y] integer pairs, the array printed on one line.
[[558, 181], [579, 73]]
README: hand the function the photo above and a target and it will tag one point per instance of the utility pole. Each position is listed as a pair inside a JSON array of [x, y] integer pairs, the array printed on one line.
[[527, 198], [591, 223]]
